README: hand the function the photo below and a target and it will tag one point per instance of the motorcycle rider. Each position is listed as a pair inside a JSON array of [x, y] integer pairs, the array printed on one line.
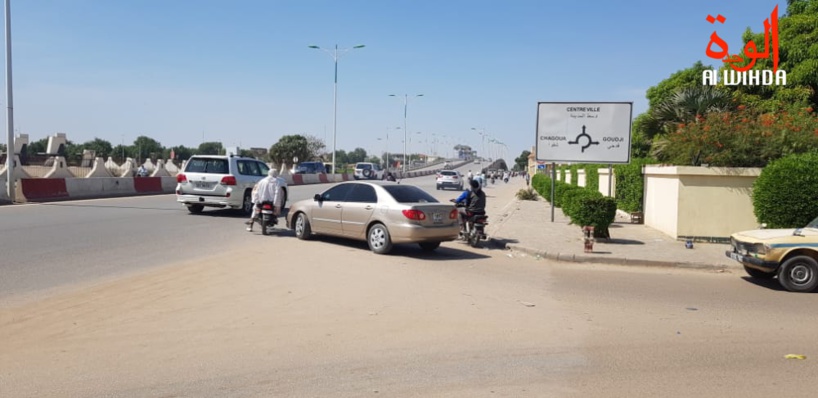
[[269, 190], [475, 200]]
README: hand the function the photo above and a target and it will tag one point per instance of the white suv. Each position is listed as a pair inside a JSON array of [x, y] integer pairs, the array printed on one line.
[[368, 171], [219, 181], [449, 179]]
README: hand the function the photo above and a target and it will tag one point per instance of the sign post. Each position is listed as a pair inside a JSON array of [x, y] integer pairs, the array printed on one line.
[[583, 132], [553, 178]]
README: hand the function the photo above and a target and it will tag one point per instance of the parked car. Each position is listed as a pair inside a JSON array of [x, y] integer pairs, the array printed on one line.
[[310, 168], [368, 171], [219, 181], [449, 179], [789, 254], [380, 213]]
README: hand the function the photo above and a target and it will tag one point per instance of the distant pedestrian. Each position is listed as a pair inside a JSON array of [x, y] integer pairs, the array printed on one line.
[[527, 180]]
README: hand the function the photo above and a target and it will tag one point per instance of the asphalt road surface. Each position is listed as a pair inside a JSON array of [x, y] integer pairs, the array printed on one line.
[[45, 246], [326, 317]]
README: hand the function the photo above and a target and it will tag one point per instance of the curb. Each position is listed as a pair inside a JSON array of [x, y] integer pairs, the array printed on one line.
[[580, 258]]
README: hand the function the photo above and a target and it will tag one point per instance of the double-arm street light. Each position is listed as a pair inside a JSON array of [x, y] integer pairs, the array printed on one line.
[[405, 138], [10, 182], [336, 55]]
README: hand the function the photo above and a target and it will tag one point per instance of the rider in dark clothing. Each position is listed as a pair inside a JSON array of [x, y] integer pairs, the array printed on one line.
[[475, 200]]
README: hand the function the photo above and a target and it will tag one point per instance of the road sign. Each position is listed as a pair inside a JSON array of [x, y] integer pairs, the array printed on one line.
[[540, 167], [584, 132]]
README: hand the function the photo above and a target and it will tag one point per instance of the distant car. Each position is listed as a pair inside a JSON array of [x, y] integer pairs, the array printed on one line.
[[449, 179], [220, 182], [368, 171], [789, 254], [310, 168], [380, 213]]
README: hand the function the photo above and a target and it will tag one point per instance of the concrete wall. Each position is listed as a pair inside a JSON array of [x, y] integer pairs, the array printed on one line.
[[603, 182], [699, 202], [80, 188], [581, 178]]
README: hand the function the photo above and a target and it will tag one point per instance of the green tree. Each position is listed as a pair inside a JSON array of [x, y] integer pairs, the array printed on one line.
[[315, 146], [181, 152], [798, 56], [102, 148], [521, 162], [685, 78], [37, 147], [147, 147], [290, 146], [341, 157], [210, 148], [118, 151], [357, 155]]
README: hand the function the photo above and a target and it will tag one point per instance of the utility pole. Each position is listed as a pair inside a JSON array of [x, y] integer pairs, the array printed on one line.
[[10, 181]]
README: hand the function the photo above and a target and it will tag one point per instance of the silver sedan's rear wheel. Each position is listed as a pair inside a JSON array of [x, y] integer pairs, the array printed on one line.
[[379, 240]]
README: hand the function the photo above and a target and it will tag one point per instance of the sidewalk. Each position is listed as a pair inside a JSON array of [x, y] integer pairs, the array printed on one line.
[[526, 226]]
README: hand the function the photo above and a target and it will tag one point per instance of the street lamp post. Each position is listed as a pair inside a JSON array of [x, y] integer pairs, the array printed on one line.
[[405, 131], [335, 57], [482, 133], [10, 182]]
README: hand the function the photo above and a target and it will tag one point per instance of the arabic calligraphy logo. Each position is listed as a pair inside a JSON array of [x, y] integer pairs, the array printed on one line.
[[588, 137], [750, 54]]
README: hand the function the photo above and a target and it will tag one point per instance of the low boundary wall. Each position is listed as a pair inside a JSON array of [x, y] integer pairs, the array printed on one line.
[[56, 189]]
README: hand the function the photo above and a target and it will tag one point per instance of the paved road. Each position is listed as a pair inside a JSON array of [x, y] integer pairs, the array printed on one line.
[[48, 245]]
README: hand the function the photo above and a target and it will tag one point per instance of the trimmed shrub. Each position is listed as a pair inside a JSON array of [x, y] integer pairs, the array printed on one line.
[[630, 184], [574, 175], [559, 190], [562, 173], [592, 176], [596, 211], [572, 199], [785, 195]]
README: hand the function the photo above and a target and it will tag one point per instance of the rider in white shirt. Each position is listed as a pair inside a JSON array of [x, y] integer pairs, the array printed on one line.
[[269, 189]]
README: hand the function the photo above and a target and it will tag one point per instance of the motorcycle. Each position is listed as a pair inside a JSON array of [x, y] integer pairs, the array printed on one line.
[[267, 218], [474, 229]]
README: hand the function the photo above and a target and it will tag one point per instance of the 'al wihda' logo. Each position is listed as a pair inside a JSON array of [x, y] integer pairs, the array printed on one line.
[[745, 75]]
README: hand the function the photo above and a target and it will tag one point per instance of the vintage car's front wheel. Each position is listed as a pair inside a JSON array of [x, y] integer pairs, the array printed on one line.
[[755, 273], [799, 274]]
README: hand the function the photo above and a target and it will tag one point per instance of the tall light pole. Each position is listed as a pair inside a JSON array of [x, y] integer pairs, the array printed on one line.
[[405, 131], [10, 182], [335, 57], [482, 133]]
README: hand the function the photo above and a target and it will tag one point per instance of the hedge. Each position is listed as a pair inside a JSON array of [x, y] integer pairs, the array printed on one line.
[[630, 184], [574, 175], [592, 176], [785, 195], [583, 206]]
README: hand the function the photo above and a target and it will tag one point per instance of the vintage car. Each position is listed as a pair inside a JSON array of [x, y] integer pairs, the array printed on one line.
[[789, 254]]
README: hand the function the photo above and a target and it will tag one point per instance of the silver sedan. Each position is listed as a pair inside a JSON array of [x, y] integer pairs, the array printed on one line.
[[381, 213]]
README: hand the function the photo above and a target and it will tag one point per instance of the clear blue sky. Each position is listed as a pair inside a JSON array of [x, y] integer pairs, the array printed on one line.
[[240, 71]]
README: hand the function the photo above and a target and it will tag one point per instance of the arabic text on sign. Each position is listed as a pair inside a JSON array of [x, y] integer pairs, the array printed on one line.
[[750, 49]]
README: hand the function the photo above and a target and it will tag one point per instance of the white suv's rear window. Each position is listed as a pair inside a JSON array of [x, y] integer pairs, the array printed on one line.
[[448, 173], [208, 165], [363, 166]]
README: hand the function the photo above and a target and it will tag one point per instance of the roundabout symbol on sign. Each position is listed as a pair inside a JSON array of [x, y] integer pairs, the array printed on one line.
[[588, 144]]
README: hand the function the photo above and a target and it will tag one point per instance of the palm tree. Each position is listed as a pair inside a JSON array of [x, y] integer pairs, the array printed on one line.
[[687, 104]]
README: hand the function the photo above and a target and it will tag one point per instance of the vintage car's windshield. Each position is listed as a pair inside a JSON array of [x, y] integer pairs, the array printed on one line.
[[813, 224]]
